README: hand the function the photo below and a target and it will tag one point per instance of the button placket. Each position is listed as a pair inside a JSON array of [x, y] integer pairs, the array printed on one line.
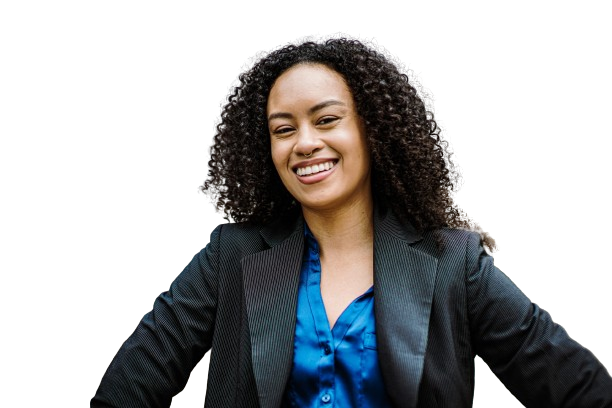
[[326, 349]]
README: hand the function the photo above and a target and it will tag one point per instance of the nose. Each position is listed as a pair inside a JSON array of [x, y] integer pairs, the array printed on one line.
[[307, 142]]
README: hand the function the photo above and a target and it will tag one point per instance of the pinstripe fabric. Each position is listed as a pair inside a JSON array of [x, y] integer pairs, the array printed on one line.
[[155, 361], [436, 307], [271, 299]]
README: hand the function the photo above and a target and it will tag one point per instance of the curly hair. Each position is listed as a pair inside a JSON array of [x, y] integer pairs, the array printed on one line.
[[412, 171]]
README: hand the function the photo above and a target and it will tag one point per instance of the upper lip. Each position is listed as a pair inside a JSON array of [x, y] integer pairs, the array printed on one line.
[[312, 162]]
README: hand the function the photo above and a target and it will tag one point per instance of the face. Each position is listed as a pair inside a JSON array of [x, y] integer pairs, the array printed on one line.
[[318, 139]]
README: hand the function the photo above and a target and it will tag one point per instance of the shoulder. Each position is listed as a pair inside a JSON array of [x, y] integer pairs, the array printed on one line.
[[230, 237], [454, 236], [458, 252], [237, 233], [446, 241], [435, 242]]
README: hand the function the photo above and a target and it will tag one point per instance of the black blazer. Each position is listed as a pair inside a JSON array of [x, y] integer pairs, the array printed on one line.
[[438, 303]]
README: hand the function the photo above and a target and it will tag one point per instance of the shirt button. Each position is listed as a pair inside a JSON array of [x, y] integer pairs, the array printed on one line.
[[326, 398], [326, 349]]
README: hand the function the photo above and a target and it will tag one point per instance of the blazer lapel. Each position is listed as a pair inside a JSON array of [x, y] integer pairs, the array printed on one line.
[[271, 279], [404, 280]]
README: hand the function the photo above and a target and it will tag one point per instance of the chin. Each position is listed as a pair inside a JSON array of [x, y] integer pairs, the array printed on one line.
[[325, 204]]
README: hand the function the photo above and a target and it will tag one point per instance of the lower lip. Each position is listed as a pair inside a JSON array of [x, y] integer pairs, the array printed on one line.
[[315, 178]]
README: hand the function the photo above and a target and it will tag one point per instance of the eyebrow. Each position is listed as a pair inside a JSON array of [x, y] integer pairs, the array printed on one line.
[[317, 107]]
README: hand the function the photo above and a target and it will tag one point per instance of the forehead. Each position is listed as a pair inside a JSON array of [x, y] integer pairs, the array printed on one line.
[[308, 83]]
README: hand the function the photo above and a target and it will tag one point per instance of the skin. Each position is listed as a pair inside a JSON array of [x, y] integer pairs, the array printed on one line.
[[312, 120]]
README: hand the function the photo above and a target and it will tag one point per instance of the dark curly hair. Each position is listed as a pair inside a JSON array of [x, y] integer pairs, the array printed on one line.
[[411, 168]]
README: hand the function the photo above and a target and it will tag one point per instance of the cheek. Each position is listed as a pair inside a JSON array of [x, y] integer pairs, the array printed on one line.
[[278, 158]]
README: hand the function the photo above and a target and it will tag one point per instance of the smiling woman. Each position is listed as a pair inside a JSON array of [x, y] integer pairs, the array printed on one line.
[[350, 277], [415, 179], [313, 121]]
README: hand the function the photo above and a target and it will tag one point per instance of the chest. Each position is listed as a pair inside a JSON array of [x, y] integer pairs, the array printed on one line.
[[342, 279]]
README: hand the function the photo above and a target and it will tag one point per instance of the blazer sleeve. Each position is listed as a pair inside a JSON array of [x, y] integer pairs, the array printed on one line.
[[155, 362], [533, 356]]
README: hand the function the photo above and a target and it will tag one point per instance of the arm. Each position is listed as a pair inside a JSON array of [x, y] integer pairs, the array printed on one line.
[[534, 357], [155, 362]]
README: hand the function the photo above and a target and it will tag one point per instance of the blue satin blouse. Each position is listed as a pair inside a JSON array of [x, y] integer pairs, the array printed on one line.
[[335, 367]]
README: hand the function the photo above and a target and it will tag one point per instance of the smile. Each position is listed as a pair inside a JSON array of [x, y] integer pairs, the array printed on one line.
[[317, 173], [315, 168]]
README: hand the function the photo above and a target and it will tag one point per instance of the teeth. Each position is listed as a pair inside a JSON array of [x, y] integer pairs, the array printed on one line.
[[314, 169]]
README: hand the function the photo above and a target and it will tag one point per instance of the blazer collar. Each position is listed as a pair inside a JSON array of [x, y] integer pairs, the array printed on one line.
[[404, 280], [385, 222]]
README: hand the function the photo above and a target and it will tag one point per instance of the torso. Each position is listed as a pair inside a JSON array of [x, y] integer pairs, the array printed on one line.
[[344, 277]]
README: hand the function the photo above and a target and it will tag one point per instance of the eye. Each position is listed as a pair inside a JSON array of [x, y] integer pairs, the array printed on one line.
[[283, 130], [327, 120]]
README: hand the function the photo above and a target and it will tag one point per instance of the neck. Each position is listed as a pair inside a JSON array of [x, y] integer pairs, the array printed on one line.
[[344, 229]]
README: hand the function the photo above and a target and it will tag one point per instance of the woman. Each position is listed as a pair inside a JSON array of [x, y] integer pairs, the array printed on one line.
[[351, 278]]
